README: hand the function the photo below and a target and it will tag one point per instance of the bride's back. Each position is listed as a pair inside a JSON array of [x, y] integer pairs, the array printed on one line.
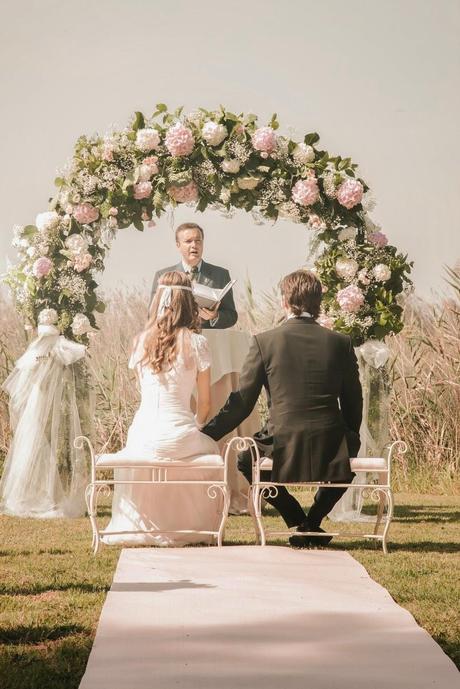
[[173, 385]]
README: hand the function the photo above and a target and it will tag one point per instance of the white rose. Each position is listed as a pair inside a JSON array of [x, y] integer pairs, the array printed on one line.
[[348, 233], [382, 273], [147, 139], [80, 324], [213, 133], [76, 244], [248, 182], [47, 317], [31, 251], [231, 165], [346, 268], [303, 154], [47, 221]]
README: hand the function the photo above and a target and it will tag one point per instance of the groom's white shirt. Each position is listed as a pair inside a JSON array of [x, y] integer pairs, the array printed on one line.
[[304, 314]]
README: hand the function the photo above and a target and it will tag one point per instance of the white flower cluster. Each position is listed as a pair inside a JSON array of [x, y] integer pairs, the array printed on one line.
[[239, 150], [214, 133], [80, 324], [346, 268], [75, 287], [289, 210], [77, 244], [382, 272], [303, 154], [231, 165], [47, 317], [273, 192], [348, 234], [47, 221]]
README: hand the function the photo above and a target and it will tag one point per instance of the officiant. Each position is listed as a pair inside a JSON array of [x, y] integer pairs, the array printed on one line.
[[190, 241]]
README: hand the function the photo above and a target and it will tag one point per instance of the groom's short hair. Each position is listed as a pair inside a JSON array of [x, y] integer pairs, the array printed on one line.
[[302, 291], [188, 226]]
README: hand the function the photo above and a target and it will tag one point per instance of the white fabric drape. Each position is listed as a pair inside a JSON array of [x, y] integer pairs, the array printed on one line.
[[44, 475], [372, 357]]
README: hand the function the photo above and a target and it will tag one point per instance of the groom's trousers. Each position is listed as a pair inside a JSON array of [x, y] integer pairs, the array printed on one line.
[[286, 504]]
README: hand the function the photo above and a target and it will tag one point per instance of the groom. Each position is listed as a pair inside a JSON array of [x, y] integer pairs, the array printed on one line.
[[307, 371], [189, 241]]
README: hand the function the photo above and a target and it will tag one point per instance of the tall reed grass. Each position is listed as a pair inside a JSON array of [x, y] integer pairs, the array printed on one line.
[[424, 376]]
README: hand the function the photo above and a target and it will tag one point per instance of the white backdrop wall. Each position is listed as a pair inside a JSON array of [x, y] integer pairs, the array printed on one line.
[[378, 81]]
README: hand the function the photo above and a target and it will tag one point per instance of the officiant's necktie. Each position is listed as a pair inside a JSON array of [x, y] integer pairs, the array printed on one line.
[[193, 273]]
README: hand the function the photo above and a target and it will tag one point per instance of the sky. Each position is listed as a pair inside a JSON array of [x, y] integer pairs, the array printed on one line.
[[378, 82]]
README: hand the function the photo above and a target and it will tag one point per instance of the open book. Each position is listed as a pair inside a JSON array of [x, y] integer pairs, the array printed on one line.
[[208, 297]]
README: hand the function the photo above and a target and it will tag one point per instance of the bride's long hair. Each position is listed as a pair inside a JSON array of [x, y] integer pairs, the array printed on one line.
[[165, 321]]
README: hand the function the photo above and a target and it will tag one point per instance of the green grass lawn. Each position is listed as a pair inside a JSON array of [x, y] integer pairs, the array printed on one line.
[[52, 588]]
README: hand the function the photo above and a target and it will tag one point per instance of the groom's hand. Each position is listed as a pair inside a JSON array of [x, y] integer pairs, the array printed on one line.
[[208, 314]]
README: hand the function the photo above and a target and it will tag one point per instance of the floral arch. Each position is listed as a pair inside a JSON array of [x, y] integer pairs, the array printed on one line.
[[206, 159]]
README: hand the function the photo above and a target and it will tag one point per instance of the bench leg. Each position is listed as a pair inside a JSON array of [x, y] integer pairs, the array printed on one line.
[[389, 517], [251, 510], [225, 508], [91, 503], [257, 503]]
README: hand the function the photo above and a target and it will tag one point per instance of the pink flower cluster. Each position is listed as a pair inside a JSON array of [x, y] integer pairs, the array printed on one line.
[[378, 239], [148, 168], [350, 193], [85, 213], [42, 267], [264, 139], [142, 190], [185, 194], [81, 262], [179, 140], [350, 299], [305, 191], [326, 321]]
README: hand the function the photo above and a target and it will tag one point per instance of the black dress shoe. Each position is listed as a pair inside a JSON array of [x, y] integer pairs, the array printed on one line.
[[309, 541]]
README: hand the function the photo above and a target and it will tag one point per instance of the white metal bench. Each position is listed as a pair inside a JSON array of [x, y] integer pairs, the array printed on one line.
[[160, 473], [380, 490]]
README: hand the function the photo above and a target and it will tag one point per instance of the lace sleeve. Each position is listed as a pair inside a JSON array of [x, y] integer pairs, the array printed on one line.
[[137, 351], [202, 353]]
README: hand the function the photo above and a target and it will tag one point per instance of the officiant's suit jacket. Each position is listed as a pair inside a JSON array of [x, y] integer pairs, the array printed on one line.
[[213, 276], [315, 400]]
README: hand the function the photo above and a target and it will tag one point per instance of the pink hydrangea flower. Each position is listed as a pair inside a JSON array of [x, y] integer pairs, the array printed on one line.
[[148, 168], [326, 321], [85, 213], [42, 267], [350, 193], [179, 140], [81, 262], [350, 299], [142, 190], [264, 139], [185, 194], [306, 191], [378, 239]]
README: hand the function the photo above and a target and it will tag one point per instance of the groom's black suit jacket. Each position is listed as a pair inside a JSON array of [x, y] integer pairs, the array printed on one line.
[[307, 371]]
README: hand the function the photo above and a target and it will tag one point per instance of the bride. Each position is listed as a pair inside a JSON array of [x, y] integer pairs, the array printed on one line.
[[172, 361]]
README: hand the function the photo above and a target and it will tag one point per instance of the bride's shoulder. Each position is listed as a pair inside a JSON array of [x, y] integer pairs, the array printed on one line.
[[137, 349], [202, 353]]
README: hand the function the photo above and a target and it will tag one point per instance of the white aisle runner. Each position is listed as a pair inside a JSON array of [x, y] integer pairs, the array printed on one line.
[[268, 618]]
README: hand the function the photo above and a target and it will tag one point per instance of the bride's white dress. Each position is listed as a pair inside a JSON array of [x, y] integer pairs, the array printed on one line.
[[164, 427]]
